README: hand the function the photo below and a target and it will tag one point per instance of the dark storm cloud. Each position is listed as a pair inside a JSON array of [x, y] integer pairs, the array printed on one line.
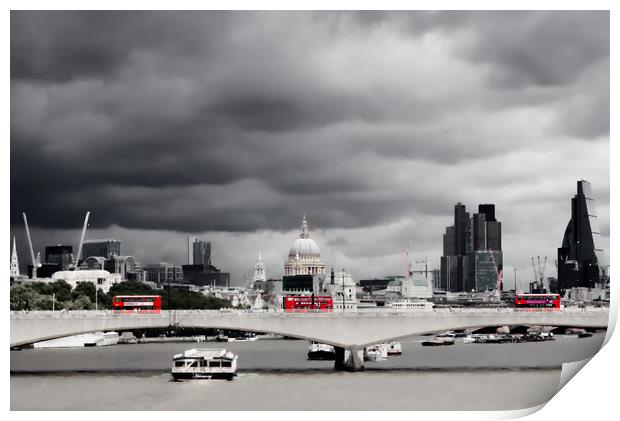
[[240, 121]]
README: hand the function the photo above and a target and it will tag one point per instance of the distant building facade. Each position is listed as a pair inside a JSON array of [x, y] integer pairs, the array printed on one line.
[[104, 248], [204, 275], [581, 261], [161, 273], [60, 255]]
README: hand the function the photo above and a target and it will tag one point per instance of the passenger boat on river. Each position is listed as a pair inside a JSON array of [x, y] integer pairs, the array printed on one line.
[[204, 363]]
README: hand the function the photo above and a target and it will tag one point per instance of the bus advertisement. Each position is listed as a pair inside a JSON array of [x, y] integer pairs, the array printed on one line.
[[550, 301], [307, 303], [136, 304]]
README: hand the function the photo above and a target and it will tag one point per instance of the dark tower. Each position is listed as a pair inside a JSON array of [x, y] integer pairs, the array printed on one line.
[[578, 258]]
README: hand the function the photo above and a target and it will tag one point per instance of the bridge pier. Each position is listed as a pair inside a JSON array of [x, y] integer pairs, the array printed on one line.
[[349, 359]]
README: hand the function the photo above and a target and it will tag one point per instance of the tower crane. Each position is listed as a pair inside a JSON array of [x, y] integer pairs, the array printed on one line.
[[36, 261], [539, 272], [500, 275], [405, 262], [75, 259]]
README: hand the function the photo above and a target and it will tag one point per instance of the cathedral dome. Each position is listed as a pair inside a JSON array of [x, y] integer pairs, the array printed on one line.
[[304, 247], [304, 257]]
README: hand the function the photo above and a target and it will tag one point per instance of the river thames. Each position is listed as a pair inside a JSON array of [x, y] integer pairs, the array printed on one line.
[[275, 375]]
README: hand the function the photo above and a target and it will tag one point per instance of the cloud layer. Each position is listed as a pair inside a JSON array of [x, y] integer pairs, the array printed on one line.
[[232, 124]]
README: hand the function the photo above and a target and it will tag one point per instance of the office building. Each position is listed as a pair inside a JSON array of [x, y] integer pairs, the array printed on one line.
[[472, 255], [203, 275], [202, 252], [581, 261], [60, 255], [103, 248], [163, 273]]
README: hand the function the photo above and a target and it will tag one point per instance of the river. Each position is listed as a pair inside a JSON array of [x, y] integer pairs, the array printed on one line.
[[275, 375]]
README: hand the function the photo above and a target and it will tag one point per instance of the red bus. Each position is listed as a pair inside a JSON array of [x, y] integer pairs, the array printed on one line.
[[136, 303], [551, 301], [305, 303]]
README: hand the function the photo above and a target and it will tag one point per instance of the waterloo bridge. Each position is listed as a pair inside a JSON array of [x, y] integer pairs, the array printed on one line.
[[349, 333]]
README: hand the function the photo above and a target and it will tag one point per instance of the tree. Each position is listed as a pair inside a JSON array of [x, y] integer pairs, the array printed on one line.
[[84, 288], [62, 290], [23, 297], [82, 302], [131, 288]]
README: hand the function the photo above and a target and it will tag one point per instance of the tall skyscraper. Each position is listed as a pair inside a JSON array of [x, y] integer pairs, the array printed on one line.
[[472, 252], [14, 261], [60, 255], [202, 252], [581, 259]]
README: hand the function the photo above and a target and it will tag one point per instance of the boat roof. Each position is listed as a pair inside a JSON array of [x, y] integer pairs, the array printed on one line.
[[205, 353]]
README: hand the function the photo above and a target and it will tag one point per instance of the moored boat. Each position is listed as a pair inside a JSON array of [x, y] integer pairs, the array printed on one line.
[[377, 352], [438, 341], [204, 363], [318, 351], [394, 348]]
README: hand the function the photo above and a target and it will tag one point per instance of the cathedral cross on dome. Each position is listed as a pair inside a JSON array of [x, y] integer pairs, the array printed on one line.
[[305, 231]]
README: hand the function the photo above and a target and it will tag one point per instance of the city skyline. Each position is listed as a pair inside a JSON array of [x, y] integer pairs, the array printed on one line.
[[211, 129]]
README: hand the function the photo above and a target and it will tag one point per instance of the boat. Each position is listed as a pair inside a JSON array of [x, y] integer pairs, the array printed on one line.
[[394, 348], [376, 353], [538, 337], [318, 351], [127, 338], [438, 341], [248, 337], [109, 338], [470, 339], [93, 339], [74, 341], [204, 363], [487, 339]]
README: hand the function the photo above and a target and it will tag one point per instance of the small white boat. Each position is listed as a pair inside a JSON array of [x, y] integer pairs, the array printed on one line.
[[244, 338], [394, 348], [109, 338], [377, 352], [318, 351], [204, 363]]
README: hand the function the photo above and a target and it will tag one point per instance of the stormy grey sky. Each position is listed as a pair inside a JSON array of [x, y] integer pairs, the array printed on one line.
[[229, 125]]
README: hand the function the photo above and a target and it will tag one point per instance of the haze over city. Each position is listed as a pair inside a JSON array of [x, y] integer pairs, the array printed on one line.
[[229, 126]]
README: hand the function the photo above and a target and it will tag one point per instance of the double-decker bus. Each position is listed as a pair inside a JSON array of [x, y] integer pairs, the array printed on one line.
[[136, 303], [549, 301], [305, 303]]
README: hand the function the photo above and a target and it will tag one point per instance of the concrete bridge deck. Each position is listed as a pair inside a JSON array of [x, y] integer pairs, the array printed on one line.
[[353, 330]]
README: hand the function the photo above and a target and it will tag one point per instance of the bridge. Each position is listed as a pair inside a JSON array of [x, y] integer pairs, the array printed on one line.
[[349, 333]]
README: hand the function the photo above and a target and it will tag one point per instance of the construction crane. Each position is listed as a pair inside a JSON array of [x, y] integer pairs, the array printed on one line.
[[539, 272], [500, 275], [405, 262], [36, 261], [76, 259]]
